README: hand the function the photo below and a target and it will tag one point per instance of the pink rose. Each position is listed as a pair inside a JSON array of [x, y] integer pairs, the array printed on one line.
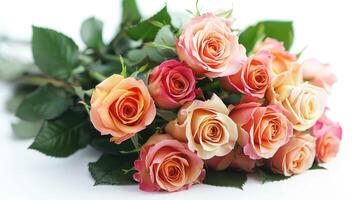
[[262, 129], [294, 157], [235, 160], [281, 58], [121, 107], [172, 84], [318, 74], [328, 135], [253, 78], [166, 164], [209, 47]]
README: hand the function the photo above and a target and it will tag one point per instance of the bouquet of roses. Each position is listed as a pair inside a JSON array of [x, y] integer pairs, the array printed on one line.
[[175, 104]]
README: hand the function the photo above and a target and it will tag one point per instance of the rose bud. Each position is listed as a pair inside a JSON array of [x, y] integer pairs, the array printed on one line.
[[121, 107], [328, 135], [303, 103], [262, 129], [165, 164], [253, 78], [206, 127], [281, 58], [294, 157], [172, 84], [235, 160], [318, 74], [208, 46]]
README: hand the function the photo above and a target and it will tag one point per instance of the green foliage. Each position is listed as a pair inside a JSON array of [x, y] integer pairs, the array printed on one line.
[[113, 170], [102, 143], [47, 102], [226, 178], [54, 53], [266, 175], [316, 165], [64, 135], [24, 129], [148, 29], [131, 14], [280, 30], [91, 33]]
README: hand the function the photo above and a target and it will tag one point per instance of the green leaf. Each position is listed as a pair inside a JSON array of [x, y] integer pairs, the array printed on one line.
[[47, 102], [25, 129], [266, 175], [148, 29], [167, 115], [226, 178], [131, 14], [280, 30], [166, 42], [54, 53], [91, 33], [102, 143], [64, 135], [316, 165], [113, 170]]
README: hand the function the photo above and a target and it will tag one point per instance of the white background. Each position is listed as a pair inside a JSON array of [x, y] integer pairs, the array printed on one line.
[[327, 27]]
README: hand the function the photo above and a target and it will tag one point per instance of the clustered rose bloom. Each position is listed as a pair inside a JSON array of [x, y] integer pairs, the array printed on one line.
[[121, 107], [281, 59], [328, 135], [166, 164], [278, 122], [262, 129], [206, 127], [172, 84], [318, 74], [253, 78], [209, 47], [303, 103], [294, 157]]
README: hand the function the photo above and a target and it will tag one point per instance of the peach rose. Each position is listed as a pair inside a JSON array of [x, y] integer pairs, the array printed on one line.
[[328, 135], [262, 130], [253, 78], [209, 47], [166, 164], [235, 160], [318, 74], [172, 84], [206, 127], [294, 157], [303, 103], [281, 58], [121, 107]]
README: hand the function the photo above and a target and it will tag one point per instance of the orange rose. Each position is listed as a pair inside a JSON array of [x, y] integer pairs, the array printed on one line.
[[281, 58], [294, 157], [121, 107]]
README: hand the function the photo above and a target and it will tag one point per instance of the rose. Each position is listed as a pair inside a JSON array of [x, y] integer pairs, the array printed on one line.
[[172, 84], [253, 78], [121, 107], [262, 129], [166, 164], [235, 160], [209, 47], [303, 103], [206, 127], [281, 58], [294, 157], [318, 74], [329, 135]]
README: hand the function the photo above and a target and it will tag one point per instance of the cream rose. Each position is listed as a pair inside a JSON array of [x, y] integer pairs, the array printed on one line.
[[206, 127], [303, 103]]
